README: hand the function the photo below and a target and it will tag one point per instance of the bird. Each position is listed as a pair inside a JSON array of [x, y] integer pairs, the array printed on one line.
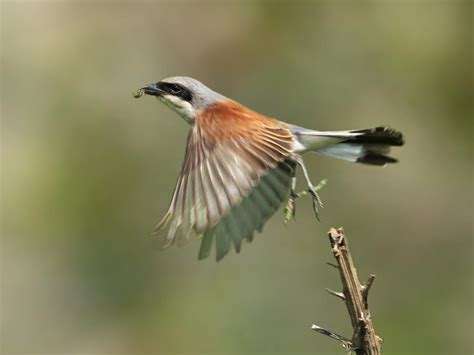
[[239, 165]]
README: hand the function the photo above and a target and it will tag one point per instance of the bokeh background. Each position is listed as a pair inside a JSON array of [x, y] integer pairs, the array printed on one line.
[[87, 171]]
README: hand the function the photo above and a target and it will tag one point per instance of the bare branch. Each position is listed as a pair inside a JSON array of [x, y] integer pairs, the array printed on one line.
[[364, 340]]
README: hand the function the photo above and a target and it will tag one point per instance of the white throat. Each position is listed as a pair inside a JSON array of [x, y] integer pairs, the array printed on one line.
[[181, 107]]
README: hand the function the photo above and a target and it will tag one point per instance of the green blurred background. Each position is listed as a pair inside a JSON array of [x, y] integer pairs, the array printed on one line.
[[88, 171]]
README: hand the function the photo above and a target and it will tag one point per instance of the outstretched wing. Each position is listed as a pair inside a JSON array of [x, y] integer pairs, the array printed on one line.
[[237, 171], [251, 213]]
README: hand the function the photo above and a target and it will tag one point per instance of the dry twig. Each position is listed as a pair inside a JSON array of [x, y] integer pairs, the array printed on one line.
[[364, 340]]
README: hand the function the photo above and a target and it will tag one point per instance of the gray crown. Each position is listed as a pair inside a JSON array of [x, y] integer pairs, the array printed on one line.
[[202, 95]]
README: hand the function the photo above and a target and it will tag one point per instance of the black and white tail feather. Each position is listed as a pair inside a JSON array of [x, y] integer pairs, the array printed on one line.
[[367, 146]]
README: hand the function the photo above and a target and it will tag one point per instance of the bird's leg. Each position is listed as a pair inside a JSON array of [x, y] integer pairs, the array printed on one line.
[[317, 203]]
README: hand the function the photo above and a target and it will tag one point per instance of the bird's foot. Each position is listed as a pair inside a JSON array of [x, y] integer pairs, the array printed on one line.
[[290, 208], [317, 203]]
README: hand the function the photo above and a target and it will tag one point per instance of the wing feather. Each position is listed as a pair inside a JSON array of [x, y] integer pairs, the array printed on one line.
[[236, 229], [209, 195], [200, 207], [220, 189], [236, 173], [232, 191], [223, 241], [206, 245]]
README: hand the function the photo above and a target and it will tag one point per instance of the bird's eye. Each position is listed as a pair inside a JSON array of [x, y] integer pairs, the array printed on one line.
[[175, 89]]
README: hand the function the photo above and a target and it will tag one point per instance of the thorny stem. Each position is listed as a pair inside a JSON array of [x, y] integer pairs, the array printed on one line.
[[364, 340]]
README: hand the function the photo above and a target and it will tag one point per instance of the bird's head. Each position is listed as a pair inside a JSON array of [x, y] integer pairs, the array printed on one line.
[[186, 96]]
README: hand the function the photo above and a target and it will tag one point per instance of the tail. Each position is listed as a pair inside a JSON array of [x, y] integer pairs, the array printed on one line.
[[367, 146]]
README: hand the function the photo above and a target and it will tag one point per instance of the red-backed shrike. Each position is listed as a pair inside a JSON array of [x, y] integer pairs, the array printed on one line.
[[239, 165]]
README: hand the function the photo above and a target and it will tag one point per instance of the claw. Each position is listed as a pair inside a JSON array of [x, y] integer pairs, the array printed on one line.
[[317, 203]]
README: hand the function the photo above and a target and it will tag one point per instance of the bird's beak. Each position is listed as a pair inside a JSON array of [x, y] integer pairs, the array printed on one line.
[[153, 89]]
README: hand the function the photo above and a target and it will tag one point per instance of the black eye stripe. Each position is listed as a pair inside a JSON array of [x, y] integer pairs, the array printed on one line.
[[171, 88], [176, 90]]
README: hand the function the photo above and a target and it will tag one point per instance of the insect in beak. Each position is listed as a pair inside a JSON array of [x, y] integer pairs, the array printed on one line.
[[151, 89]]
